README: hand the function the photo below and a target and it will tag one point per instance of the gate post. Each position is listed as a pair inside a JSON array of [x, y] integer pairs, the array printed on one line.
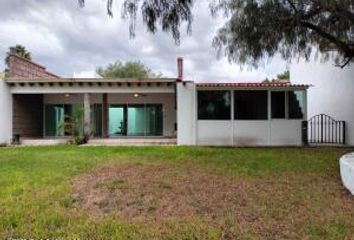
[[321, 124], [344, 132], [304, 130]]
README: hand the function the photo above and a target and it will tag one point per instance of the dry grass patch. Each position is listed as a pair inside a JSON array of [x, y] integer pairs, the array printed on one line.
[[267, 206], [160, 192]]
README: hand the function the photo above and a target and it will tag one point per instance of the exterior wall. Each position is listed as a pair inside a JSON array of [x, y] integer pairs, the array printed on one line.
[[6, 113], [249, 133], [285, 132], [28, 115], [273, 132], [332, 91], [215, 133], [186, 113], [166, 99]]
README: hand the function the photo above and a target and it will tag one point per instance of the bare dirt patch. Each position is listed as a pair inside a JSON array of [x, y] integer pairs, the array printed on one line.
[[269, 206], [157, 193], [164, 191]]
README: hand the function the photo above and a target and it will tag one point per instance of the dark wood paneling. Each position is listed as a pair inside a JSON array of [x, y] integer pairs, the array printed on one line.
[[28, 115]]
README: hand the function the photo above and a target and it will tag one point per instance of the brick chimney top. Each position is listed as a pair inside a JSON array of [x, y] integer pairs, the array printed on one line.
[[20, 67], [180, 68]]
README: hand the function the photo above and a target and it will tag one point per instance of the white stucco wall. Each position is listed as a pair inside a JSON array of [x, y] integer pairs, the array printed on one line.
[[215, 133], [5, 113], [251, 133], [332, 93], [285, 132], [186, 113], [166, 99], [279, 132]]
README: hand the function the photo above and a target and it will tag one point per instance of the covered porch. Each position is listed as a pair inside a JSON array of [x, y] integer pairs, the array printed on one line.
[[125, 111]]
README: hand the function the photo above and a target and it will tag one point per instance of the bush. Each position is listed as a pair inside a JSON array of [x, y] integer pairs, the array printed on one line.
[[78, 140]]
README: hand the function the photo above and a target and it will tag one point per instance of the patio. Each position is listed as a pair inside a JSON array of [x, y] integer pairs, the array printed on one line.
[[127, 141]]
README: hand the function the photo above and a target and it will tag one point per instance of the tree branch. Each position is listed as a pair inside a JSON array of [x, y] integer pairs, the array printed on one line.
[[346, 62], [292, 4], [345, 48]]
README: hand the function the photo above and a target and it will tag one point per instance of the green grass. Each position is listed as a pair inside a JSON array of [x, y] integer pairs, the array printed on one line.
[[36, 192]]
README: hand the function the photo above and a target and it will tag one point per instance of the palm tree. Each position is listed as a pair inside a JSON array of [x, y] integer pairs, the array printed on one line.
[[18, 50]]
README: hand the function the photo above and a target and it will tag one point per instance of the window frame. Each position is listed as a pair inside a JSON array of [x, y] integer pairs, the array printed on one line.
[[230, 93], [304, 105], [234, 92], [286, 107]]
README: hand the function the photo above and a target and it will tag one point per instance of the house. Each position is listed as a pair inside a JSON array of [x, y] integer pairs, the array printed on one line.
[[34, 103], [332, 92]]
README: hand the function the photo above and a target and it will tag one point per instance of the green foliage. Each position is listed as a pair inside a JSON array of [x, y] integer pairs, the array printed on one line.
[[281, 76], [284, 75], [74, 126], [267, 80], [126, 70], [258, 29], [18, 50]]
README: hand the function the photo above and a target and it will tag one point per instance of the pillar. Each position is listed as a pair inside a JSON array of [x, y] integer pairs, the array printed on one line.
[[104, 115], [87, 114], [6, 105]]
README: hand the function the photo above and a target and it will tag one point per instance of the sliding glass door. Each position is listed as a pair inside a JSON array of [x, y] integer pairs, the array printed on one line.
[[55, 117], [96, 120], [117, 120], [123, 119], [135, 120], [153, 120]]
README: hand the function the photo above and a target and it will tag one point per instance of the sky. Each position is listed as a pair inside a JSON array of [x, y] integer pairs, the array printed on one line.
[[72, 41]]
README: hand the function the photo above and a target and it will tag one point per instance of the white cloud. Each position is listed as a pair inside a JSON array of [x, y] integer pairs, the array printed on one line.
[[70, 40]]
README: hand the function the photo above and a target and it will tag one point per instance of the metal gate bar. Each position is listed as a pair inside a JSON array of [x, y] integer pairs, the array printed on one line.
[[323, 129]]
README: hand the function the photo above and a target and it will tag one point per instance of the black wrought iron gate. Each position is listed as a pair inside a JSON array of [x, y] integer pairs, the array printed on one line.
[[323, 129]]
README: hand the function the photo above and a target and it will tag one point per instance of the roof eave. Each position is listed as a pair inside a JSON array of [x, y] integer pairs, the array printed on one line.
[[89, 80]]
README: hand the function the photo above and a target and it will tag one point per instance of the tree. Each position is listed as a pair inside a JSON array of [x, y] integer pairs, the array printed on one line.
[[126, 70], [284, 75], [281, 76], [259, 28], [18, 50], [170, 14]]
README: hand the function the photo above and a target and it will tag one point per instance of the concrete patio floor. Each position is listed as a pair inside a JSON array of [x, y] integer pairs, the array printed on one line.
[[104, 142]]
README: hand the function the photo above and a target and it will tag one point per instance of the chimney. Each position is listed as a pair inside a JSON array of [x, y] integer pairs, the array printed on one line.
[[180, 68]]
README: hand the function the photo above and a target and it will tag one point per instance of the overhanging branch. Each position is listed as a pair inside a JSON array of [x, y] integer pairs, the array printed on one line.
[[345, 48]]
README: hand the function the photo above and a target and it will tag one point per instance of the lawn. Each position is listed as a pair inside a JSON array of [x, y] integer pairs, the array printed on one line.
[[173, 193]]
